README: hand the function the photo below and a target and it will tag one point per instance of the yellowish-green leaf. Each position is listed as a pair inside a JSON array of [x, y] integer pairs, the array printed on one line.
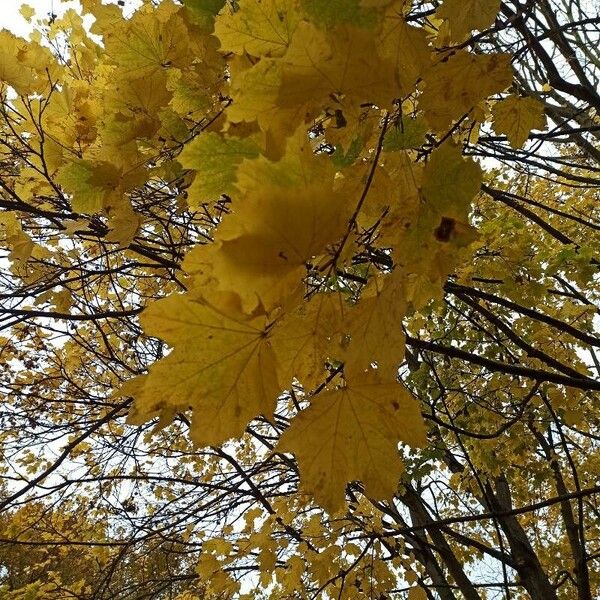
[[91, 183], [329, 13], [450, 181], [222, 366], [408, 133], [215, 159]]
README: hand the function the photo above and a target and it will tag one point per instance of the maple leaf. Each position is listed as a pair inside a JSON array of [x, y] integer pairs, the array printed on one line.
[[516, 116], [406, 48], [352, 433], [408, 133], [375, 327], [450, 181], [150, 41], [222, 366], [92, 184], [466, 15], [342, 63], [287, 214], [457, 84], [306, 337], [215, 159], [12, 70], [261, 28]]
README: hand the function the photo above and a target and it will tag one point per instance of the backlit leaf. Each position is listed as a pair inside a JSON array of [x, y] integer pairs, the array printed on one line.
[[516, 116], [352, 433]]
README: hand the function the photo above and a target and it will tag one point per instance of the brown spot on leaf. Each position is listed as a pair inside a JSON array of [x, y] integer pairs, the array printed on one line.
[[445, 229]]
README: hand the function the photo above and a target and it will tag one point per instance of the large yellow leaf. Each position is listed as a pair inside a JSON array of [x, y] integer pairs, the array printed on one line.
[[406, 48], [352, 433], [455, 86], [465, 15], [341, 62], [307, 337], [375, 327], [287, 213], [266, 258], [152, 40], [260, 27], [221, 366], [517, 116], [12, 69], [254, 90]]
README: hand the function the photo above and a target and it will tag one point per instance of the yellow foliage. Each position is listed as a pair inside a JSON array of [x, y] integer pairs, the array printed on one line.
[[352, 433]]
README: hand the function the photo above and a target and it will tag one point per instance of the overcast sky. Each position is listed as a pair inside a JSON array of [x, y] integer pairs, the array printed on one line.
[[11, 19]]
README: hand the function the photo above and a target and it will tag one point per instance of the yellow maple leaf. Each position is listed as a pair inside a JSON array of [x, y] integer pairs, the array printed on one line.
[[91, 183], [304, 339], [375, 327], [254, 90], [16, 240], [152, 40], [341, 62], [406, 48], [465, 15], [456, 85], [12, 70], [287, 214], [352, 433], [516, 116], [124, 224], [260, 28], [222, 366]]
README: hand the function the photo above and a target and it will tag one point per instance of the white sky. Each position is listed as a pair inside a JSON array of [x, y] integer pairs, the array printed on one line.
[[11, 19]]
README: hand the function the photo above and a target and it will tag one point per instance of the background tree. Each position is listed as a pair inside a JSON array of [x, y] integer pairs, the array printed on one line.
[[123, 149]]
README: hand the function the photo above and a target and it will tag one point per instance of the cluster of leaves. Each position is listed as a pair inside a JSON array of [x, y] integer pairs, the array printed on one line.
[[315, 96], [292, 176]]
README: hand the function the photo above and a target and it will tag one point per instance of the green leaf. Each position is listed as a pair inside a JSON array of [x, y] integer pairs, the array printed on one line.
[[329, 13], [343, 159], [204, 11], [408, 133], [215, 159]]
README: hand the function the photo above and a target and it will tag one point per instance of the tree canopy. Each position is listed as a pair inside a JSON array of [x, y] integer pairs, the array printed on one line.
[[299, 300]]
